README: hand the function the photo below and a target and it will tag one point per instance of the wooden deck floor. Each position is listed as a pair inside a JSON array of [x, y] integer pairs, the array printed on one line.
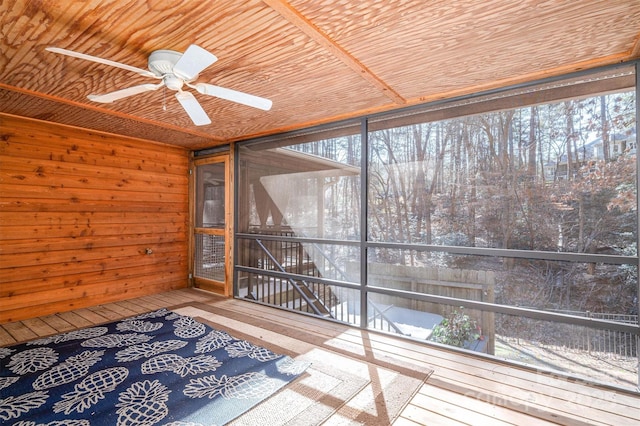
[[462, 390]]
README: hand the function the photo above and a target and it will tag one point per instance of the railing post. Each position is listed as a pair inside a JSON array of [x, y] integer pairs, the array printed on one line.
[[589, 335]]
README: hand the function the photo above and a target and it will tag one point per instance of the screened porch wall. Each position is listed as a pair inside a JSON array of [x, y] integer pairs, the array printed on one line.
[[503, 224]]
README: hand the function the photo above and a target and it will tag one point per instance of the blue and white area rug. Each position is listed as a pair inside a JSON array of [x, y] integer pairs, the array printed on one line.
[[157, 368]]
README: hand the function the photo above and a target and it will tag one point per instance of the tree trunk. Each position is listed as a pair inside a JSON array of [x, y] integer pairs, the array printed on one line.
[[570, 135], [605, 128], [531, 160]]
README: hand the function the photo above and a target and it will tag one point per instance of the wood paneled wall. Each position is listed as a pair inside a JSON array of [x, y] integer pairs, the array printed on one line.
[[87, 218]]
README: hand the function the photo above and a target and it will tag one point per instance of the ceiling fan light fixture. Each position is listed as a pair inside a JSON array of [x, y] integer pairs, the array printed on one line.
[[172, 82]]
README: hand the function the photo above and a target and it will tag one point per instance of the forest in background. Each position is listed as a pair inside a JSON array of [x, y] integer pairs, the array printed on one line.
[[555, 177]]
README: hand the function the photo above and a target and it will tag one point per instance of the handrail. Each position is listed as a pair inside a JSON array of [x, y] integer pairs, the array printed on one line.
[[344, 276], [383, 316], [295, 284], [377, 311], [331, 262]]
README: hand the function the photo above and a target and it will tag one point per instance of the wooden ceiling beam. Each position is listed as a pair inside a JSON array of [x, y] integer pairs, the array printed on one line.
[[303, 24]]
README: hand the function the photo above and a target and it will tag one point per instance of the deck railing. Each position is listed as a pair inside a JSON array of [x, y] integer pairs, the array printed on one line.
[[294, 276], [604, 341], [577, 338], [301, 276], [296, 288]]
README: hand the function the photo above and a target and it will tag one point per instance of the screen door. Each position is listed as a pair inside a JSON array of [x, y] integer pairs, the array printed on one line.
[[211, 254]]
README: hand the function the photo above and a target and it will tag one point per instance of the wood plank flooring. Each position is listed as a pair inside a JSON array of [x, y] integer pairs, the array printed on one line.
[[462, 390]]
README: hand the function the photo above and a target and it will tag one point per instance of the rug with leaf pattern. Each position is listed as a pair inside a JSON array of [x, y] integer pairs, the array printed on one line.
[[157, 368]]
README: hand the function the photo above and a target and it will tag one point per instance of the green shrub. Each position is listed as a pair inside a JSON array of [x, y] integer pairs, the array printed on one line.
[[457, 329]]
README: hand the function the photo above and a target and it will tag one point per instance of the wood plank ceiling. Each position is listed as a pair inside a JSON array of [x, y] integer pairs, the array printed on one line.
[[317, 60]]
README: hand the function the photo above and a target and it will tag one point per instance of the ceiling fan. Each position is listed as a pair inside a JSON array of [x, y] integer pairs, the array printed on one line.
[[176, 70]]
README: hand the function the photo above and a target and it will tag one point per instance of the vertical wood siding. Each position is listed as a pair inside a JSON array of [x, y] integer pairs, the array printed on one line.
[[87, 218]]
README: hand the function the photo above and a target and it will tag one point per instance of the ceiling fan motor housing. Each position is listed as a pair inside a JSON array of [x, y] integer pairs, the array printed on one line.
[[161, 63]]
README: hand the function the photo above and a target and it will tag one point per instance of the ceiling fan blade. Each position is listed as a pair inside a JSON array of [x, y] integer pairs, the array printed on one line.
[[84, 56], [193, 108], [123, 93], [193, 60], [233, 95]]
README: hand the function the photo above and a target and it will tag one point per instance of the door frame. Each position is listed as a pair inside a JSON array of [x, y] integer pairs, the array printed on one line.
[[226, 288]]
